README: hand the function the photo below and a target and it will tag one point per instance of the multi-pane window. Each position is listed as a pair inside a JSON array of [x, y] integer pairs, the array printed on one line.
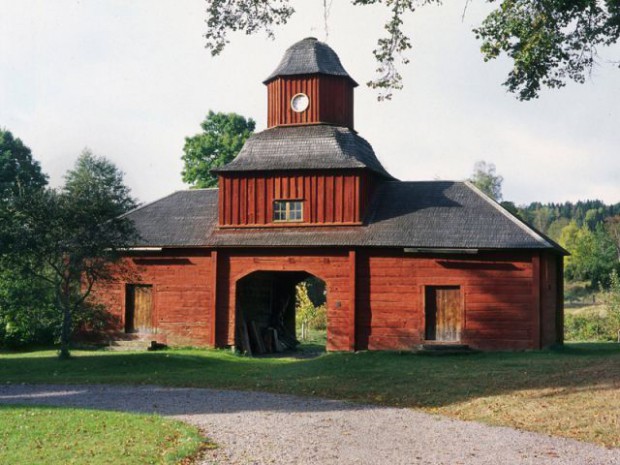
[[288, 210]]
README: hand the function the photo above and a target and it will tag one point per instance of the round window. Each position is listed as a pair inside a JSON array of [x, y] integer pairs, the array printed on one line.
[[300, 102]]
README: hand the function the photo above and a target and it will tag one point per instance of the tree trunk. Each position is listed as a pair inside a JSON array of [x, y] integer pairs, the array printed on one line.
[[65, 330]]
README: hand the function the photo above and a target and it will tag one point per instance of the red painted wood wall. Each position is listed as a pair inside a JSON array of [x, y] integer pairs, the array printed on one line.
[[331, 100], [182, 295], [375, 298], [247, 200], [332, 266], [499, 290]]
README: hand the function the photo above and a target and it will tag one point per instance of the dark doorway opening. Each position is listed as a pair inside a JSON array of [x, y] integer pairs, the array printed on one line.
[[267, 308], [139, 308], [443, 313]]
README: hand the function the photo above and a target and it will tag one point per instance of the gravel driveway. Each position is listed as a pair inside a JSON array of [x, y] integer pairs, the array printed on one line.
[[258, 428]]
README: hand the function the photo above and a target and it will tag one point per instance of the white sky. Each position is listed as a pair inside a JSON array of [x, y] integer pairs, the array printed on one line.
[[130, 80]]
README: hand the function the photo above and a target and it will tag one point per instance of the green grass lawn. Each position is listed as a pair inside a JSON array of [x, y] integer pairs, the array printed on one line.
[[572, 392], [47, 435]]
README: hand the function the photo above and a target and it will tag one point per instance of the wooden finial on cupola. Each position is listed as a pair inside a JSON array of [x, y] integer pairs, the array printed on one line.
[[310, 86]]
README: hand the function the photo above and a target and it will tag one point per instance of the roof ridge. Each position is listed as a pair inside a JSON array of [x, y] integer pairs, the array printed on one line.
[[517, 221]]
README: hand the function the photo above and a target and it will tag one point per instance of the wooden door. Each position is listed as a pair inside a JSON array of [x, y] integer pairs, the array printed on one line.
[[443, 313], [139, 308]]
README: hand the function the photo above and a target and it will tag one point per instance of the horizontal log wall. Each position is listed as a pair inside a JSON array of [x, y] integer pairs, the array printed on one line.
[[247, 200], [332, 266], [331, 101], [375, 298], [497, 289], [182, 297]]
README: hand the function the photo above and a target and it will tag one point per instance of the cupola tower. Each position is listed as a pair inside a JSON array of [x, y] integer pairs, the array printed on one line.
[[310, 86]]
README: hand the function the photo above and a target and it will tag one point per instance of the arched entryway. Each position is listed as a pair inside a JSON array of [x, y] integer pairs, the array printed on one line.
[[267, 307]]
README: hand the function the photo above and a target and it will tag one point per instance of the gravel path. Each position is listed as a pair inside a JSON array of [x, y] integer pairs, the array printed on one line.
[[259, 428]]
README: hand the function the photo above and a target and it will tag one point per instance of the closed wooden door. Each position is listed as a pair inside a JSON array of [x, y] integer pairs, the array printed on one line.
[[443, 313], [139, 308]]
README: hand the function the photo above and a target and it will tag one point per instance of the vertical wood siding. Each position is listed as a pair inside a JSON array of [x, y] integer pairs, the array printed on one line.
[[331, 100], [247, 200]]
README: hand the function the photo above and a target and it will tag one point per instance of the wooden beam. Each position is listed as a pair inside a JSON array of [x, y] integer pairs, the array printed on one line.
[[559, 303], [213, 309], [536, 339], [352, 293]]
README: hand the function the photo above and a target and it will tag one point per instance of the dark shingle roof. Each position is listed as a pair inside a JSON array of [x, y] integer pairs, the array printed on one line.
[[183, 219], [309, 56], [433, 214], [305, 147]]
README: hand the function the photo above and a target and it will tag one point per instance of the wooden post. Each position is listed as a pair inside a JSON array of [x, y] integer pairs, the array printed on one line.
[[352, 293], [536, 339], [213, 309]]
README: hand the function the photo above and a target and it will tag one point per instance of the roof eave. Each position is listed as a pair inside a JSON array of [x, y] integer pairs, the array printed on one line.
[[274, 77]]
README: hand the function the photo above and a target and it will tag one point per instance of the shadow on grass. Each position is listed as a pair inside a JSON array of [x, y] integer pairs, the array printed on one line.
[[397, 379]]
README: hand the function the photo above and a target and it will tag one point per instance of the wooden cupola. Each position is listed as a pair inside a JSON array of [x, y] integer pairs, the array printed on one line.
[[309, 167], [310, 86]]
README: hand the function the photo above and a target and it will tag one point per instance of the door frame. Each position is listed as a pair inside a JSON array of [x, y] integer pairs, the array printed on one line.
[[462, 312]]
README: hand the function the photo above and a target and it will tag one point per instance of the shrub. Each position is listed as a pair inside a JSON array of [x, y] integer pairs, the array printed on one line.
[[589, 326]]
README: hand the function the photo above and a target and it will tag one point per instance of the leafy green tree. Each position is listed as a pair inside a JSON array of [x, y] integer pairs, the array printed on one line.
[[19, 172], [27, 314], [487, 180], [24, 305], [543, 218], [568, 240], [556, 227], [593, 256], [612, 225], [549, 41], [309, 315], [613, 302], [70, 238], [20, 175], [222, 138]]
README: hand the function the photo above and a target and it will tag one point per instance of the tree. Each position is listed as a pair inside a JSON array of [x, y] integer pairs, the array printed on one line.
[[20, 175], [548, 41], [613, 302], [612, 225], [593, 256], [487, 180], [19, 172], [70, 238], [24, 305], [222, 138]]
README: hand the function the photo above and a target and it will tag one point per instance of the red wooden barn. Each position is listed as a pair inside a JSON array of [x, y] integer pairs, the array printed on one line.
[[403, 263]]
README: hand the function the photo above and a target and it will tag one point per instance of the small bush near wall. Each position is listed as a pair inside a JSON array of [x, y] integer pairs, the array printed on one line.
[[589, 326]]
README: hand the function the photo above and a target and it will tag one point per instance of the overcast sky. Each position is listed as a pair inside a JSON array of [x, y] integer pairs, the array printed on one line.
[[131, 79]]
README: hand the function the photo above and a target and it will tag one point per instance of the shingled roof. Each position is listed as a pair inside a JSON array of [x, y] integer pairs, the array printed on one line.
[[425, 215], [309, 56], [305, 147]]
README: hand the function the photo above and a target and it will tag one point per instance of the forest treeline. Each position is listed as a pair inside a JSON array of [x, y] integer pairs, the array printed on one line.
[[588, 229]]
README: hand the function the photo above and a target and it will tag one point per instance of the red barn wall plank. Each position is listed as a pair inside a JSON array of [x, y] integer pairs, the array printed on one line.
[[375, 297], [182, 295], [247, 200], [330, 100], [332, 266], [497, 290]]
